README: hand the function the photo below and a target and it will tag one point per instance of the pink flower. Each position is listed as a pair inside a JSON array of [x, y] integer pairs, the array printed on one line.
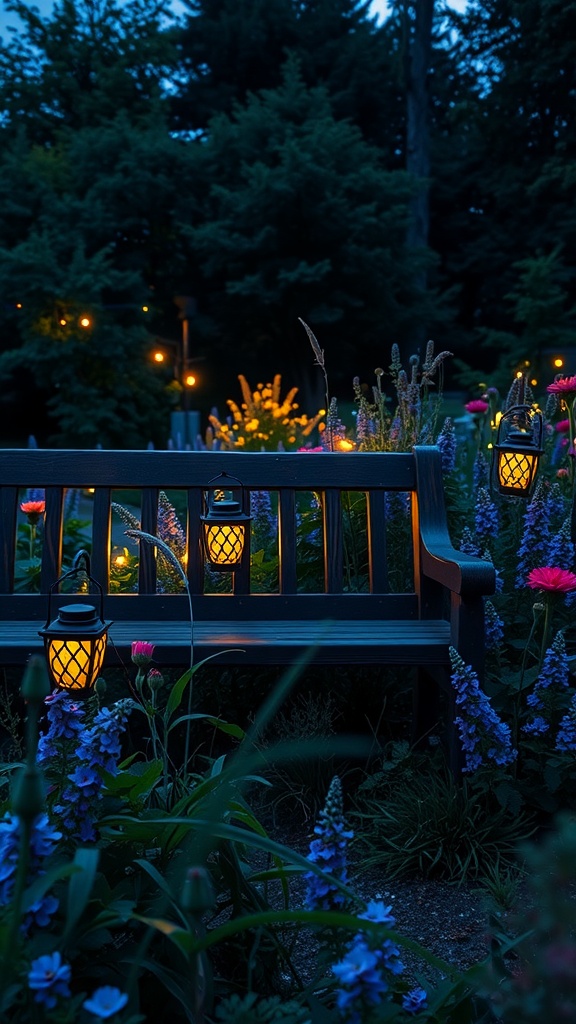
[[565, 386], [477, 405], [142, 652], [33, 509], [562, 473], [553, 579], [563, 426]]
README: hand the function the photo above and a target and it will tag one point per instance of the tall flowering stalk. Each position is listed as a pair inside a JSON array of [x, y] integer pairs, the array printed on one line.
[[565, 389], [329, 851], [484, 736], [552, 683], [366, 971], [535, 541]]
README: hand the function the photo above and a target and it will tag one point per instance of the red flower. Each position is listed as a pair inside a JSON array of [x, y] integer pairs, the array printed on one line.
[[477, 405], [562, 473], [563, 426], [142, 652], [33, 508], [553, 579], [565, 386]]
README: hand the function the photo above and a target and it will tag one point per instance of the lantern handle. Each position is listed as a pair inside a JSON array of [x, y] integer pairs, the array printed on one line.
[[80, 563], [228, 476]]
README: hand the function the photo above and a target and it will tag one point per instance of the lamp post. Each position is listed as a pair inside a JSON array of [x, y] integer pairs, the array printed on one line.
[[225, 520], [517, 451], [187, 423], [75, 641]]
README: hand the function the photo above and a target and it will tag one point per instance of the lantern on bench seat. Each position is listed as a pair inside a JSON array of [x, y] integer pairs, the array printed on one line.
[[517, 451], [225, 521], [75, 641]]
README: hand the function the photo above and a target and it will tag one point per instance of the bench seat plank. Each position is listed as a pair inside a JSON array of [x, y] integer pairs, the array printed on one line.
[[395, 642]]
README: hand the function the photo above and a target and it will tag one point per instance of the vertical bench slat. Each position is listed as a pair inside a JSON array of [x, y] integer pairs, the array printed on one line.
[[241, 577], [195, 565], [53, 533], [287, 538], [8, 518], [333, 546], [101, 534], [376, 532], [149, 521]]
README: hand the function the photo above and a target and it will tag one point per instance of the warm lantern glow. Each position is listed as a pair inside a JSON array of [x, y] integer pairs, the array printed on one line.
[[75, 664], [145, 309], [159, 357], [85, 321], [63, 322], [517, 451], [342, 444], [225, 523], [75, 646], [559, 362], [224, 544], [189, 380]]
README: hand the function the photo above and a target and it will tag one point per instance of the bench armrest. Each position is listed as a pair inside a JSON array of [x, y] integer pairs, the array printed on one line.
[[463, 574]]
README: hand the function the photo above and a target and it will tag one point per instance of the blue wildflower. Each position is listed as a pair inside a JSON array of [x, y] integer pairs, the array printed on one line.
[[552, 682], [480, 472], [493, 628], [263, 518], [446, 442], [486, 522], [106, 1001], [415, 1000], [561, 551], [533, 550], [43, 841], [556, 508], [468, 545], [566, 737], [483, 735], [329, 851], [48, 978], [361, 984]]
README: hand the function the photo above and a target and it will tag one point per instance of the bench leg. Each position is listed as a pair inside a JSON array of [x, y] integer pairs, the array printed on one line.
[[425, 708]]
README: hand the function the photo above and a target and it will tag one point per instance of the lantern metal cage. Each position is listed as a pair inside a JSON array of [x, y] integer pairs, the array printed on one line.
[[75, 641], [225, 522], [517, 451]]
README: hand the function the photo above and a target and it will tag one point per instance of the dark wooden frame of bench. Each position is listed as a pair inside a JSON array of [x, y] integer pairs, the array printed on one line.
[[378, 627]]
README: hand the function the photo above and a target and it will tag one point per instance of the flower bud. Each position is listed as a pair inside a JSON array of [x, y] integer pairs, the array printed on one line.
[[142, 653], [155, 679], [197, 892], [35, 684], [28, 793]]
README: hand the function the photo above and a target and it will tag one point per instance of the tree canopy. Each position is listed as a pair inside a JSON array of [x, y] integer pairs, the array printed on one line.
[[265, 159]]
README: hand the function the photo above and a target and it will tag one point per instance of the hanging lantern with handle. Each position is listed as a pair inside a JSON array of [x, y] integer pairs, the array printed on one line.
[[517, 451], [225, 521], [75, 641]]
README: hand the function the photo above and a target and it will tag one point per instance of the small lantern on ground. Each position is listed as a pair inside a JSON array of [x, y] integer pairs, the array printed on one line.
[[225, 521], [517, 451], [75, 641]]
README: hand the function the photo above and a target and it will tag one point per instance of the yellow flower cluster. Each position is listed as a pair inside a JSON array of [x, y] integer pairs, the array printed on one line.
[[264, 421]]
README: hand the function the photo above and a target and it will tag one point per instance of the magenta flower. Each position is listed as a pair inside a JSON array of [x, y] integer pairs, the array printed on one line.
[[552, 579], [477, 405], [563, 426], [564, 386], [142, 652]]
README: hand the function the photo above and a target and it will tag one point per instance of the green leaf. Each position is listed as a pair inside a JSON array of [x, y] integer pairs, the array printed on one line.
[[80, 885]]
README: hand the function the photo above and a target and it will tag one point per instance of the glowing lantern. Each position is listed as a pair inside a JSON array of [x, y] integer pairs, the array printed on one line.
[[75, 642], [225, 521], [517, 451]]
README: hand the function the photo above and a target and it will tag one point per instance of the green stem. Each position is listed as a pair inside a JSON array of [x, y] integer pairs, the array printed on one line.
[[546, 631]]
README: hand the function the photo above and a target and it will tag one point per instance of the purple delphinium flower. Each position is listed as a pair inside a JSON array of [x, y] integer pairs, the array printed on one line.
[[415, 1000], [329, 852], [98, 750], [550, 687], [48, 978], [65, 720], [533, 550], [483, 735], [493, 628], [170, 528], [362, 972], [468, 545], [485, 516], [263, 518], [480, 472], [43, 841], [561, 551], [556, 507], [566, 737], [106, 1001], [446, 442], [537, 726]]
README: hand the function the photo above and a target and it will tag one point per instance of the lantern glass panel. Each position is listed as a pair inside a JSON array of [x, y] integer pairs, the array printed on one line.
[[516, 469], [75, 664], [224, 543]]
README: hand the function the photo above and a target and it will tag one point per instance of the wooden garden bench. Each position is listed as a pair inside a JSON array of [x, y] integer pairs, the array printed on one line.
[[442, 606]]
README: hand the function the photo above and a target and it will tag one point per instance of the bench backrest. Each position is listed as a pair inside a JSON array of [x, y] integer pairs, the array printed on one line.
[[141, 476]]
